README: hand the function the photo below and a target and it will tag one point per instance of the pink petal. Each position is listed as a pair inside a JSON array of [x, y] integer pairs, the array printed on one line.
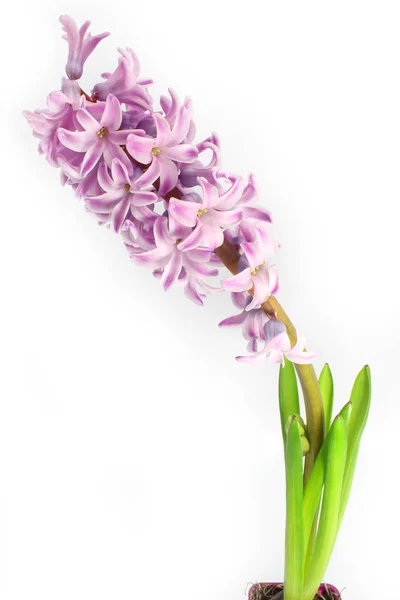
[[192, 293], [301, 358], [231, 197], [251, 212], [155, 257], [119, 173], [91, 43], [235, 320], [276, 357], [88, 122], [210, 193], [172, 270], [168, 175], [112, 151], [118, 215], [143, 198], [140, 147], [297, 353], [102, 204], [239, 283], [253, 252], [150, 175], [112, 116], [104, 178], [252, 358], [199, 270], [183, 211], [227, 218], [212, 235], [79, 141], [119, 137], [261, 288], [193, 240], [200, 255], [92, 157], [161, 233], [163, 131], [181, 126], [184, 153]]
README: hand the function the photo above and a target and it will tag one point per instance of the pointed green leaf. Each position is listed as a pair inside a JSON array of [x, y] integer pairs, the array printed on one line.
[[313, 490], [335, 462], [327, 391], [294, 544], [288, 395], [361, 400]]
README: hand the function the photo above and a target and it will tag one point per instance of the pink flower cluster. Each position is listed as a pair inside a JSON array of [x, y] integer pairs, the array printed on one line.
[[140, 172]]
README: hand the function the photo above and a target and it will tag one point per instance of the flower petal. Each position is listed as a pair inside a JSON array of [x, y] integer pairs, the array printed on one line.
[[235, 320], [192, 293], [227, 218], [119, 173], [103, 204], [78, 141], [253, 252], [88, 122], [161, 233], [239, 283], [140, 147], [112, 115], [168, 175], [184, 153], [181, 126], [118, 215], [104, 178], [210, 193], [92, 157], [183, 211], [163, 131], [232, 196], [150, 175], [155, 257], [143, 198], [172, 270], [251, 212], [193, 240]]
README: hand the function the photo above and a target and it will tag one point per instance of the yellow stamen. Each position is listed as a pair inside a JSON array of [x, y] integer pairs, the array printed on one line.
[[102, 132], [127, 187], [254, 271], [156, 151], [202, 211]]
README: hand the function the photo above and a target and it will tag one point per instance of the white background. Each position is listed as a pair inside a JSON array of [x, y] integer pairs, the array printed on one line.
[[137, 458]]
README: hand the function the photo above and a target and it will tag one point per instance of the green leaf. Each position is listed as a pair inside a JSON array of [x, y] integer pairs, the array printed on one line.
[[294, 544], [361, 400], [327, 390], [313, 489], [288, 395], [335, 462]]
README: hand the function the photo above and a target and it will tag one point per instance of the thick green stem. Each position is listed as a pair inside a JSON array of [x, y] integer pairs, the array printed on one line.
[[228, 254]]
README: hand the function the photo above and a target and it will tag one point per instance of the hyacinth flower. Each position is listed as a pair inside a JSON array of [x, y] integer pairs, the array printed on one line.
[[277, 346], [81, 45], [252, 321], [98, 138], [140, 171], [167, 256], [121, 193], [254, 271], [207, 217], [163, 152]]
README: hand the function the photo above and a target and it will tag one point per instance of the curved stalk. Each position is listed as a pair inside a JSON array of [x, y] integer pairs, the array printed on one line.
[[229, 256]]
